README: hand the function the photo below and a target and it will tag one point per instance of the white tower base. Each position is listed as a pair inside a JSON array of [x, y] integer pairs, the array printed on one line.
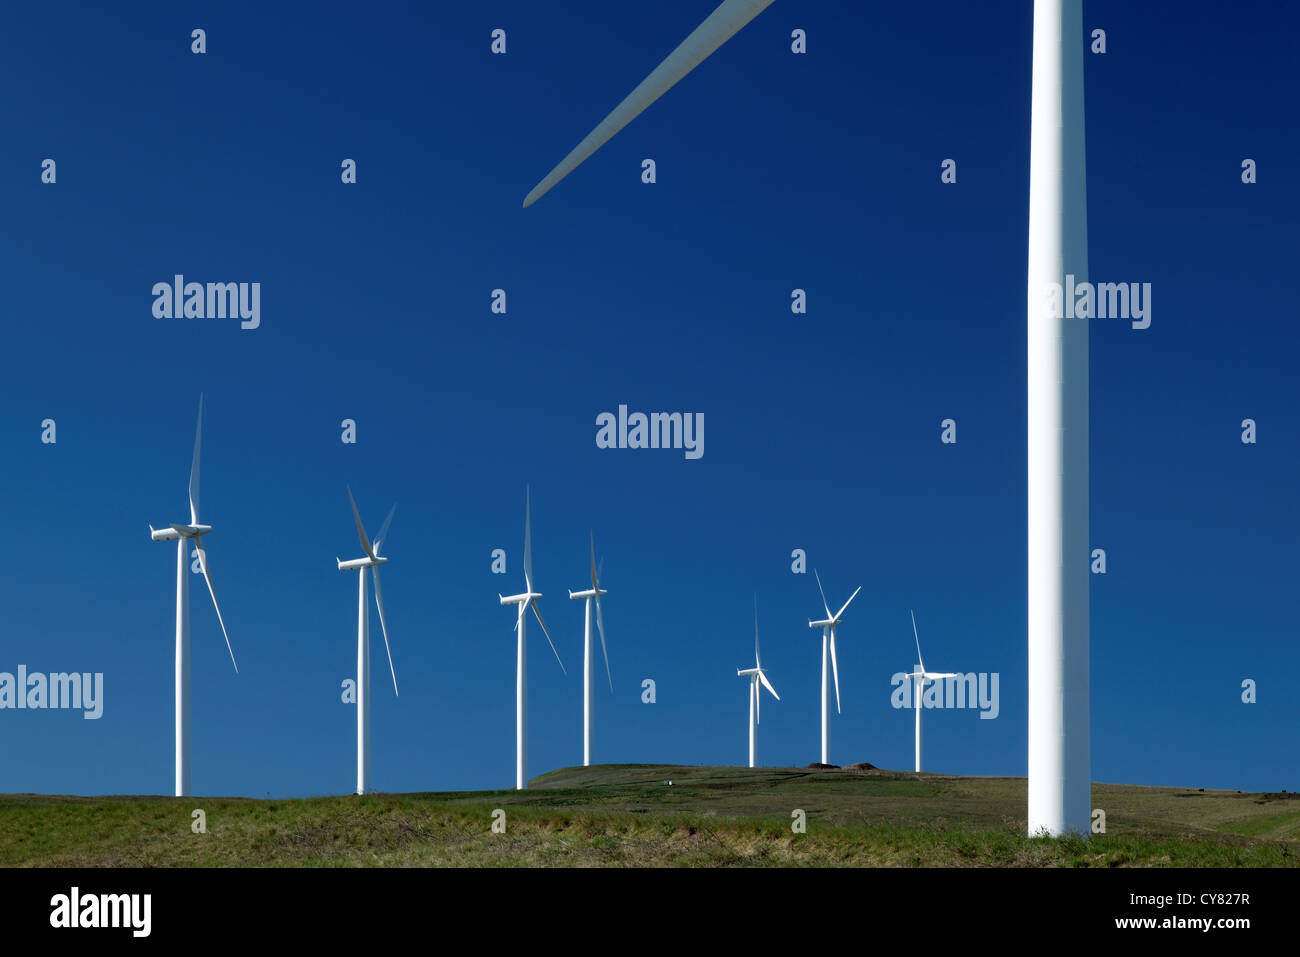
[[521, 706], [826, 701], [363, 688], [182, 668]]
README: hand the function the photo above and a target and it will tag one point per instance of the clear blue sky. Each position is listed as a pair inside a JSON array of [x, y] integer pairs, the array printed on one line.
[[775, 171]]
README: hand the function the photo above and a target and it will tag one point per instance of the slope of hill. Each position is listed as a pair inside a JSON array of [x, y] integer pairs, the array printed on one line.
[[629, 815]]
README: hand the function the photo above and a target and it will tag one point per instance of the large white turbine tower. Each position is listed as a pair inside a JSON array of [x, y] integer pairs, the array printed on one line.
[[757, 675], [1060, 780], [372, 561], [919, 678], [183, 534], [527, 599], [1057, 390], [829, 625], [591, 594]]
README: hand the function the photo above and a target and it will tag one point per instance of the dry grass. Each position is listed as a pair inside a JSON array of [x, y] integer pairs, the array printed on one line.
[[625, 816]]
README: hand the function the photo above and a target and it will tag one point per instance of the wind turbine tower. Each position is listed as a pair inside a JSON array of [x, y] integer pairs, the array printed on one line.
[[525, 600], [829, 625], [919, 678], [591, 595], [372, 560], [757, 676], [1060, 788], [183, 534]]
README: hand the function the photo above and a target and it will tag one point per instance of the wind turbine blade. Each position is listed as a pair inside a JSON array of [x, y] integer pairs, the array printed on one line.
[[768, 685], [203, 564], [382, 537], [823, 591], [757, 663], [194, 467], [720, 26], [383, 625], [840, 613], [528, 539], [919, 659], [361, 532], [835, 670], [537, 611], [758, 699], [600, 627], [594, 581]]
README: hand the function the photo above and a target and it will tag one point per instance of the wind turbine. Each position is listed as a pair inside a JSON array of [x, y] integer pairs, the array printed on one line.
[[527, 599], [372, 561], [182, 534], [1057, 390], [591, 594], [919, 677], [757, 675], [828, 625]]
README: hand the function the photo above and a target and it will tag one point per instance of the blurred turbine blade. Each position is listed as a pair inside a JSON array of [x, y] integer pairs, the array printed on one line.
[[194, 467], [762, 676], [835, 669], [528, 539], [361, 532], [919, 659], [383, 624], [382, 537], [717, 28], [600, 627], [203, 564], [537, 611], [823, 591]]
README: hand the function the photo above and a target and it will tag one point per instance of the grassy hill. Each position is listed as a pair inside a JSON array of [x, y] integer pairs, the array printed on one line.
[[626, 815]]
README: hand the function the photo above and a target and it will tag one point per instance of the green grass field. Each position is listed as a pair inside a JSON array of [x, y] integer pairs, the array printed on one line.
[[625, 815]]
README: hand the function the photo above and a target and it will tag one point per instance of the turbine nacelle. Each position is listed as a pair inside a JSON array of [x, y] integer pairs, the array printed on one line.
[[355, 563], [521, 599], [589, 593], [172, 532]]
